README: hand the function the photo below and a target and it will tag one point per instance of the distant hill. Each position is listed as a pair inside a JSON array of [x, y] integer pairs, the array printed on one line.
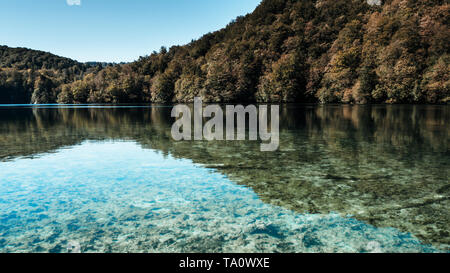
[[346, 51], [24, 58], [33, 76]]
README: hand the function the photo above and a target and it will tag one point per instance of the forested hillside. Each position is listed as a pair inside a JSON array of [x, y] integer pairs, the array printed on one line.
[[324, 51], [36, 76]]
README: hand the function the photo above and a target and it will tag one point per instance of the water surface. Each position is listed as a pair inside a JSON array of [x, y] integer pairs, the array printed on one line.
[[346, 179]]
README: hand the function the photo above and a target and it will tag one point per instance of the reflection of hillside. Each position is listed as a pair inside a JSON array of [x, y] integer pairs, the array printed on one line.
[[387, 165]]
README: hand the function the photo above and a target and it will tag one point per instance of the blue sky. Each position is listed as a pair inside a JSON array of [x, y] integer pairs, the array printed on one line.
[[112, 30]]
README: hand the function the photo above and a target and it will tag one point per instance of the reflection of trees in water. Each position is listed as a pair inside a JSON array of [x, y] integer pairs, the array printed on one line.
[[386, 165], [423, 126]]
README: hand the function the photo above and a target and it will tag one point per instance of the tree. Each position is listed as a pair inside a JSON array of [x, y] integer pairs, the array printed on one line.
[[436, 81], [162, 87], [43, 91]]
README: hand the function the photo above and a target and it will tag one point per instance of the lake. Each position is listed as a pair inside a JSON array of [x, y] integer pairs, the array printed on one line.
[[105, 178]]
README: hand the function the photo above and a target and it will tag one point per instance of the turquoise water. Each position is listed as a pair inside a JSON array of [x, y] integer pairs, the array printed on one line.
[[116, 196]]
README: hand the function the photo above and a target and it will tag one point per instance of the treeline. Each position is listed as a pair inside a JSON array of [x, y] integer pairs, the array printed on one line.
[[36, 76], [285, 51]]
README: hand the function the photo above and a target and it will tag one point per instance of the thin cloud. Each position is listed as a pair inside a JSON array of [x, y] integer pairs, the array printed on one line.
[[74, 2]]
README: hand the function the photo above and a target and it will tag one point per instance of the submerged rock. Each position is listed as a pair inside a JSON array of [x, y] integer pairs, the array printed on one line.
[[374, 2]]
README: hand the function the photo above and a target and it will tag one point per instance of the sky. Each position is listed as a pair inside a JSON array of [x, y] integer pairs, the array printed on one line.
[[112, 30]]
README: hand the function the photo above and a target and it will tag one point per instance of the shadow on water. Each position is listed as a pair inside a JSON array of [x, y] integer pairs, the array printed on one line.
[[385, 165]]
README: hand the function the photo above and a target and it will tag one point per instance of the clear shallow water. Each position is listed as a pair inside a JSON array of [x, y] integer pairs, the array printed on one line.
[[118, 197], [346, 179]]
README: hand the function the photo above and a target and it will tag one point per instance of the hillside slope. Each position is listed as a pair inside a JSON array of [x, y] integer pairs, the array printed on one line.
[[23, 58], [35, 76], [289, 51]]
